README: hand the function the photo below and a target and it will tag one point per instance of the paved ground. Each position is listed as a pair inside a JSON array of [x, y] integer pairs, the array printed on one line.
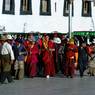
[[53, 86]]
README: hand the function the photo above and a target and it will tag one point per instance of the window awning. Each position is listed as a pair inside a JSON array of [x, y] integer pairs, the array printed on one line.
[[84, 33]]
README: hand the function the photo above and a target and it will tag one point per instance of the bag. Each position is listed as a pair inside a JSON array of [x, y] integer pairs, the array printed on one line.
[[92, 63]]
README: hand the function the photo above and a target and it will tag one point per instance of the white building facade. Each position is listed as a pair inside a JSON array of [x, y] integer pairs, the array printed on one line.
[[46, 16]]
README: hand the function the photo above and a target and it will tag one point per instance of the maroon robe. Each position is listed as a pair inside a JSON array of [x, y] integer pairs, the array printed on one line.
[[70, 60], [33, 60], [49, 60]]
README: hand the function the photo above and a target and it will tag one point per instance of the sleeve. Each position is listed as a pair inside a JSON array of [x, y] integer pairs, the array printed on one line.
[[10, 50], [24, 51]]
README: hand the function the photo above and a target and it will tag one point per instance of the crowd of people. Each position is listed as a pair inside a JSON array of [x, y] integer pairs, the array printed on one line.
[[44, 56]]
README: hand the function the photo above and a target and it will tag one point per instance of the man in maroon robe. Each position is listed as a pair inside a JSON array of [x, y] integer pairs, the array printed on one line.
[[70, 58]]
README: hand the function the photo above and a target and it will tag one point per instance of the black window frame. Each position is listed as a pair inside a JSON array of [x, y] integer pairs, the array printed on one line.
[[48, 13], [12, 8], [64, 8], [89, 14], [29, 12]]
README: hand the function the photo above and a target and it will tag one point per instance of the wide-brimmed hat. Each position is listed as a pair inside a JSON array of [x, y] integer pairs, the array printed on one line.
[[3, 38], [93, 41], [9, 37], [57, 40]]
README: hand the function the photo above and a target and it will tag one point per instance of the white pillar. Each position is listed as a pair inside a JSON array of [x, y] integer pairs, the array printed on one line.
[[70, 19]]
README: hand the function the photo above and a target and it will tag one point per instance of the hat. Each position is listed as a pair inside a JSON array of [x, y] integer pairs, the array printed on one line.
[[3, 38], [93, 41], [57, 40], [71, 40], [9, 37]]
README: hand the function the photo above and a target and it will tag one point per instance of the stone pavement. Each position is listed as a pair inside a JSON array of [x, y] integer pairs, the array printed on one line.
[[53, 86]]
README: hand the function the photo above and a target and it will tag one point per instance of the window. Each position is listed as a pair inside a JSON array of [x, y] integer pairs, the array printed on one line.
[[8, 7], [26, 7], [45, 7], [66, 8], [86, 8]]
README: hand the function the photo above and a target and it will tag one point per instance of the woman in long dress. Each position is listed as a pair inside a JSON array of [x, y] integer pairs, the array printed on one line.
[[48, 57], [32, 59]]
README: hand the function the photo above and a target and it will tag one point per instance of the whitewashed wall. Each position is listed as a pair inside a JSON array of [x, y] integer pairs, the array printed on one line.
[[55, 22]]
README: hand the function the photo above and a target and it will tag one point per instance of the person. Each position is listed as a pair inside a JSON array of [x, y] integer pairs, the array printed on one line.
[[10, 40], [51, 46], [26, 65], [40, 64], [71, 58], [7, 57], [91, 63], [57, 42], [82, 58], [0, 59], [19, 61], [32, 58], [61, 57], [48, 58]]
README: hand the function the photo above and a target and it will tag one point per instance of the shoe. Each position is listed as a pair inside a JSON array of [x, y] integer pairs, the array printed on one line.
[[88, 73], [81, 76], [67, 76], [11, 82], [47, 76], [3, 82], [71, 76]]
